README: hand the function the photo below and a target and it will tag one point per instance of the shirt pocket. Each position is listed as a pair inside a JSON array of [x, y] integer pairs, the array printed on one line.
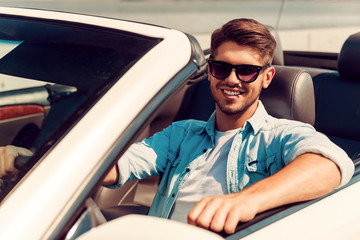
[[261, 168]]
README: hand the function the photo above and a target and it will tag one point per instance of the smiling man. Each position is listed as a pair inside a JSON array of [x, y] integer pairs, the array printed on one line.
[[240, 162], [234, 87]]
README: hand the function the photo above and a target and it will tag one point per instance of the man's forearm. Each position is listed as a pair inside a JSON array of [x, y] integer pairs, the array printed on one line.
[[299, 181], [307, 177]]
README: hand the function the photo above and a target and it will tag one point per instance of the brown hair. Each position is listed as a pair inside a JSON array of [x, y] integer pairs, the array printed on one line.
[[246, 32]]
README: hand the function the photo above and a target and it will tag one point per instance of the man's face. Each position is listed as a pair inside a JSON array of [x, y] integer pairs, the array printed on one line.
[[231, 95]]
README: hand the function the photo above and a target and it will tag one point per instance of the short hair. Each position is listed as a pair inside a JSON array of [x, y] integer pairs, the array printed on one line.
[[246, 32]]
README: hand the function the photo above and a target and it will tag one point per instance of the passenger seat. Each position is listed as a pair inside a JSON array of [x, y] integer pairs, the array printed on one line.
[[337, 97], [290, 96]]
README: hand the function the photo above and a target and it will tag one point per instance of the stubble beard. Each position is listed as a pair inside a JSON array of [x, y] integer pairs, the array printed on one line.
[[228, 110], [228, 107]]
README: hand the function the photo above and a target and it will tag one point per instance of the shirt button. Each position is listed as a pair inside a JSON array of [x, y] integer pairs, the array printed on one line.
[[187, 169], [205, 150], [173, 195]]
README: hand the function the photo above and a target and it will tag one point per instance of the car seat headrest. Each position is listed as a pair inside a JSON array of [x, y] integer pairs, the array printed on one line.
[[349, 58], [290, 95], [278, 54]]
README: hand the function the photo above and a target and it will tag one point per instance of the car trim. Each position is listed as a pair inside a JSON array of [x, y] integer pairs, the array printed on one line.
[[17, 111], [53, 16]]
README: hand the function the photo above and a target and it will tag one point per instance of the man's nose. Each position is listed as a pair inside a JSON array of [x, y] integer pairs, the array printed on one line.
[[232, 78]]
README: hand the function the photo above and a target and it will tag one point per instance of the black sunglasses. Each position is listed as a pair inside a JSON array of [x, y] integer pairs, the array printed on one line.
[[245, 73]]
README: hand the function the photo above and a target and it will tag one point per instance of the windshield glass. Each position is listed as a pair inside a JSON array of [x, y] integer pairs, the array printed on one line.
[[72, 56], [51, 73]]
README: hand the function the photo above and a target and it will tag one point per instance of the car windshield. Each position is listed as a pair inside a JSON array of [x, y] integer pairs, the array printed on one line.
[[74, 56], [51, 73]]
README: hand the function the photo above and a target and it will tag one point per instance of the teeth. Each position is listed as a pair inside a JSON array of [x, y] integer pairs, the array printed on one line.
[[231, 93]]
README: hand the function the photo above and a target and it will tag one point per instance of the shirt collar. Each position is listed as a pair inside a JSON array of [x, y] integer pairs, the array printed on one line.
[[258, 119]]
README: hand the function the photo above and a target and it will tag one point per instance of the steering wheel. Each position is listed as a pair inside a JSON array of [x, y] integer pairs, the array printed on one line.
[[21, 162]]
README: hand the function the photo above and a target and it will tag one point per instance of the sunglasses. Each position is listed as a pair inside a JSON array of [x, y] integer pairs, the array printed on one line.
[[245, 73]]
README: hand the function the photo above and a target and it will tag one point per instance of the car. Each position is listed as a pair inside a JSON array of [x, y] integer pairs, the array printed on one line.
[[81, 89]]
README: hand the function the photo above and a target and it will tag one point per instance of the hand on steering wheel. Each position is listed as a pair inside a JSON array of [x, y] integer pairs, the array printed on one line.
[[8, 154]]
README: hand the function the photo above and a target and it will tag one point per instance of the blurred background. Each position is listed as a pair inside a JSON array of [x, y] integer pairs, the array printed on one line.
[[311, 25]]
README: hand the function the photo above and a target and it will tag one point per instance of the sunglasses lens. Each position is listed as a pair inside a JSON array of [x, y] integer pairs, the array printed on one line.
[[247, 73], [220, 70]]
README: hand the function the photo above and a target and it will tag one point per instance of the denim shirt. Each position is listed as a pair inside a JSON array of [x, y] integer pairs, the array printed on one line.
[[263, 146]]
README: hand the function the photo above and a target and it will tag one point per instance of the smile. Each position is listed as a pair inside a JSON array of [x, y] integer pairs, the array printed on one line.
[[232, 93]]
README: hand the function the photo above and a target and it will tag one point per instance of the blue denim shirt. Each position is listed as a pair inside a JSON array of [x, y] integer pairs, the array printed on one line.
[[263, 146]]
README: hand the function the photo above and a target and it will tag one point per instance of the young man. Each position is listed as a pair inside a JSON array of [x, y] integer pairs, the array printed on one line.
[[242, 161]]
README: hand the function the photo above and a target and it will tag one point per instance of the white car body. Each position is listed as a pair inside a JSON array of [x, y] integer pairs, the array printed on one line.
[[51, 194], [35, 208]]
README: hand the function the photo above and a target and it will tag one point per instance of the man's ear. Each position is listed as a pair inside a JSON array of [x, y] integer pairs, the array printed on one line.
[[270, 72]]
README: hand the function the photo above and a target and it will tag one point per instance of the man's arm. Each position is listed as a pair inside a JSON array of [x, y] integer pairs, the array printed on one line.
[[307, 177]]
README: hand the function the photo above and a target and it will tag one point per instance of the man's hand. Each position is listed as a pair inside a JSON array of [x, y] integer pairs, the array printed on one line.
[[7, 159], [222, 212], [307, 177]]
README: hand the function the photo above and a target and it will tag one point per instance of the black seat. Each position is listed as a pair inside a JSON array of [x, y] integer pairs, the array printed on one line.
[[290, 96], [337, 97]]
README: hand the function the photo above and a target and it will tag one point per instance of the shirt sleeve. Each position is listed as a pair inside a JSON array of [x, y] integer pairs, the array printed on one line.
[[305, 139], [143, 159]]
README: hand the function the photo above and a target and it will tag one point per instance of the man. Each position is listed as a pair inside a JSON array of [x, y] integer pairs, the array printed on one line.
[[229, 169], [242, 161]]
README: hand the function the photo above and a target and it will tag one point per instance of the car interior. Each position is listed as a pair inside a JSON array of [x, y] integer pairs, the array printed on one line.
[[321, 92], [337, 99]]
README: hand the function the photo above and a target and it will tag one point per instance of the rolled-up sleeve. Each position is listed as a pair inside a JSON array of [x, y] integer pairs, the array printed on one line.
[[144, 159], [304, 139]]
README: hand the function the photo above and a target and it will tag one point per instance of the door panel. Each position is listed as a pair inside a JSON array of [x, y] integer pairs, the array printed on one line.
[[22, 112], [20, 130]]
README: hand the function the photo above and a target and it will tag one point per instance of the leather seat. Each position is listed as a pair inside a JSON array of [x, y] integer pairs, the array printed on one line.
[[337, 97], [290, 96]]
